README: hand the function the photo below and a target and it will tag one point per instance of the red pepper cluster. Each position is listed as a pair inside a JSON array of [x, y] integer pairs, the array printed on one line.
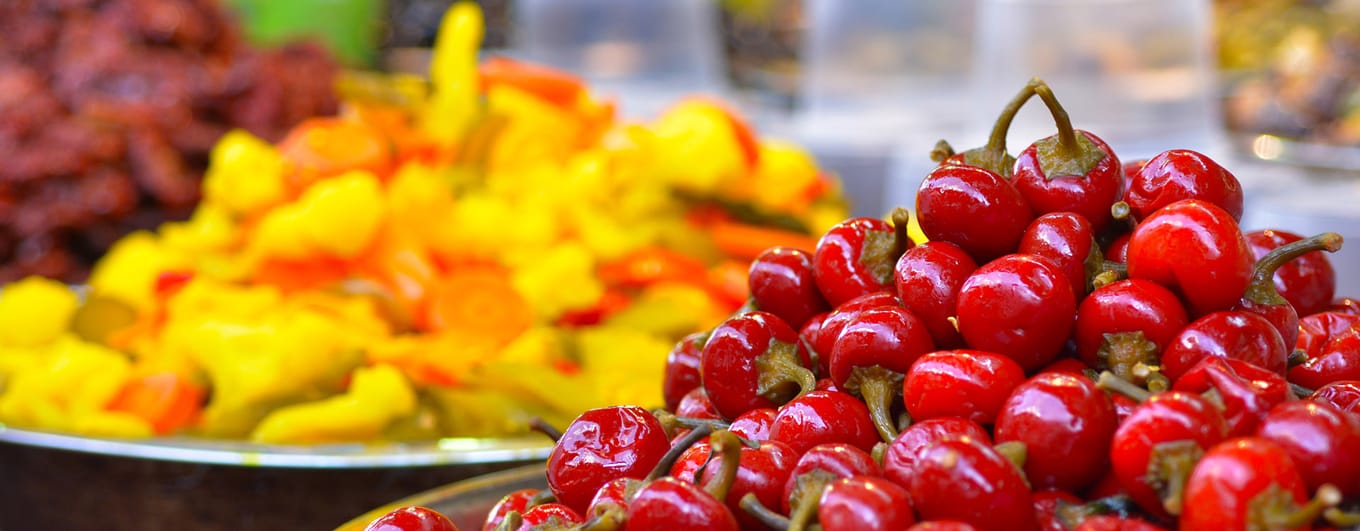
[[1081, 345]]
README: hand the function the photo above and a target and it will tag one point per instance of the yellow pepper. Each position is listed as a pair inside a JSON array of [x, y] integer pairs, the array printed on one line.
[[336, 217], [35, 311], [376, 397], [42, 395], [453, 72], [245, 175]]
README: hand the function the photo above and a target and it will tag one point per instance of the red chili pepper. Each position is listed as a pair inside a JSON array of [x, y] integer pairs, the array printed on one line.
[[682, 369], [754, 360], [1246, 391], [1308, 282], [824, 417], [1155, 449], [1318, 437], [1019, 305], [1195, 249], [928, 278], [856, 257], [899, 460], [872, 354], [1069, 241], [1065, 423], [818, 468], [971, 384], [1330, 342], [1073, 171], [864, 502], [602, 445], [1181, 174], [783, 283], [1127, 323], [964, 479], [1249, 483], [1237, 335], [1264, 299]]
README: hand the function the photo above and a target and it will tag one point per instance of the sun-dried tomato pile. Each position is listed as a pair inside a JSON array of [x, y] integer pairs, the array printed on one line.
[[108, 109]]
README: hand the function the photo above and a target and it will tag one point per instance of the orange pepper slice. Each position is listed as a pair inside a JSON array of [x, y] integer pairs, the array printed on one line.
[[480, 301], [167, 401], [324, 147], [551, 85]]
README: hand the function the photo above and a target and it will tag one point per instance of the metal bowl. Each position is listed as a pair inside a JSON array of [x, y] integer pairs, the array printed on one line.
[[54, 481], [465, 502]]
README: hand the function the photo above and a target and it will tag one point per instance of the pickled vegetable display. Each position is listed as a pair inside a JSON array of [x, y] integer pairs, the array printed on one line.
[[448, 257]]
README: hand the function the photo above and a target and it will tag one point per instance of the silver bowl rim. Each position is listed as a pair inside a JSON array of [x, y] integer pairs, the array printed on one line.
[[442, 452]]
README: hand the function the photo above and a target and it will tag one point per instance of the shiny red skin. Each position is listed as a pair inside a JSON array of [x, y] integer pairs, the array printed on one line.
[[762, 471], [1318, 329], [602, 445], [971, 384], [824, 341], [1345, 395], [1046, 503], [964, 479], [1307, 282], [822, 417], [1166, 417], [754, 425], [1230, 475], [1066, 423], [1089, 196], [1238, 335], [1337, 360], [1066, 239], [550, 515], [691, 462], [728, 363], [1021, 306], [517, 501], [696, 405], [1123, 406], [1130, 305], [1105, 522], [890, 337], [942, 525], [1066, 366], [1181, 174], [1281, 316], [843, 272], [865, 504], [668, 504], [899, 462], [614, 493], [1118, 248], [782, 283], [682, 369], [1195, 249], [1320, 439], [928, 278], [837, 459], [974, 208], [412, 518], [808, 335], [1248, 392], [1345, 305]]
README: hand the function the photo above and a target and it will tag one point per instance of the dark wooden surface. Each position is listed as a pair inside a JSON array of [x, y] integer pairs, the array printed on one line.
[[44, 489]]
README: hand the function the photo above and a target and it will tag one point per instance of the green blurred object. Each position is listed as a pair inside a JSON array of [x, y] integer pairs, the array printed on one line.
[[351, 29]]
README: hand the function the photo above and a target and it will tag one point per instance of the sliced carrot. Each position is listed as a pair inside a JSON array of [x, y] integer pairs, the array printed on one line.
[[289, 275], [651, 265], [745, 242], [167, 401], [551, 85], [324, 147], [480, 301]]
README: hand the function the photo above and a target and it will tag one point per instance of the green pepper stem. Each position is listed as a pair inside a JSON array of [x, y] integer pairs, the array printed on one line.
[[511, 522], [901, 220], [1169, 469], [879, 388], [727, 445], [1299, 390], [1067, 135], [807, 497], [1262, 290], [778, 368], [996, 140], [542, 426], [1109, 382], [771, 519], [941, 151], [1323, 501], [1014, 451], [668, 460]]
